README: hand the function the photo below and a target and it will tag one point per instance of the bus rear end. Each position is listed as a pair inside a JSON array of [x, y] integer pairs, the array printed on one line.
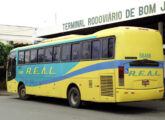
[[139, 55]]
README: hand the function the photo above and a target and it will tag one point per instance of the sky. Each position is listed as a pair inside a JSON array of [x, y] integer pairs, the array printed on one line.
[[40, 13]]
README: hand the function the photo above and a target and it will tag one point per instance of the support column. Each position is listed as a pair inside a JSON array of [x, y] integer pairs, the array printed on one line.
[[160, 27]]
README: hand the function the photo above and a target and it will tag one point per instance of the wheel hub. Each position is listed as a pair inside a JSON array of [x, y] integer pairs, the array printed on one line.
[[74, 97]]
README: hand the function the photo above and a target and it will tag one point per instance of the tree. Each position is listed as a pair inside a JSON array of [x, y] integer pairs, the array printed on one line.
[[4, 51]]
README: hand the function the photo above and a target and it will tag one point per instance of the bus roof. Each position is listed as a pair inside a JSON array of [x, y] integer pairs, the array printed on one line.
[[76, 38]]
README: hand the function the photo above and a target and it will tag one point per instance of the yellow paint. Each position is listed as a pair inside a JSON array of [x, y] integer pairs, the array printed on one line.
[[85, 64], [21, 72], [28, 71], [36, 71], [146, 41], [12, 86], [44, 71], [139, 95], [50, 71]]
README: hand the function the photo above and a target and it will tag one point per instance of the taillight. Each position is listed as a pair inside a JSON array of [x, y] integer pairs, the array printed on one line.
[[121, 76], [121, 72]]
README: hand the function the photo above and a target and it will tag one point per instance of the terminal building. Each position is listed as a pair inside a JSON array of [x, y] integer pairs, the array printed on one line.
[[18, 35], [149, 15]]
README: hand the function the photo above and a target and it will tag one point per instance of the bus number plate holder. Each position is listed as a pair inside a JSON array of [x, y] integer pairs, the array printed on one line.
[[145, 82]]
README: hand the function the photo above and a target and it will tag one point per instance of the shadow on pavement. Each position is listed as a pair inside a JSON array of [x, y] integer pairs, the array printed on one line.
[[120, 108]]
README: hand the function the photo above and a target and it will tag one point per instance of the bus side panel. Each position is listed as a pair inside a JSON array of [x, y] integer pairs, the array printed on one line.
[[92, 83]]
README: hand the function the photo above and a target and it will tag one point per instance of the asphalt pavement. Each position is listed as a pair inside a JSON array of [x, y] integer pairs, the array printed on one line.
[[45, 108]]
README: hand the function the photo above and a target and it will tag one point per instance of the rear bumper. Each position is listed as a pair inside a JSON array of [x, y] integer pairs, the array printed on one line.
[[124, 95]]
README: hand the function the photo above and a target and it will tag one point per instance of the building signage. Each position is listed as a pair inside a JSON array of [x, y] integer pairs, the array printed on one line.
[[117, 16]]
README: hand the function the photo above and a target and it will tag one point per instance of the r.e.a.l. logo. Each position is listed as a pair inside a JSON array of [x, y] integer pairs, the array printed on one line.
[[143, 73], [144, 55]]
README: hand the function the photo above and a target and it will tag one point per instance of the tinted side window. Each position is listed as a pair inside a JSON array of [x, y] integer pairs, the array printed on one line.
[[33, 56], [108, 48], [41, 55], [76, 51], [27, 56], [111, 47], [105, 48], [66, 52], [56, 53], [48, 54], [96, 49], [21, 57], [86, 50]]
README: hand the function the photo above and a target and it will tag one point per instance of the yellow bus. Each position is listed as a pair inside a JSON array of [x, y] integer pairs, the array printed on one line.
[[120, 64]]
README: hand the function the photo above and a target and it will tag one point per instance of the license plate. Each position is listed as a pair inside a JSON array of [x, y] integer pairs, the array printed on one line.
[[145, 82]]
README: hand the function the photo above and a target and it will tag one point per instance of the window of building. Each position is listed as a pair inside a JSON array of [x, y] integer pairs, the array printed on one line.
[[56, 54], [48, 54], [76, 51], [33, 56], [27, 56], [86, 50], [21, 57], [95, 49], [66, 52]]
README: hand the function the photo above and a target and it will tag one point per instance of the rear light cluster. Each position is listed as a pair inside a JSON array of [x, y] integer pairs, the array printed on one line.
[[121, 75]]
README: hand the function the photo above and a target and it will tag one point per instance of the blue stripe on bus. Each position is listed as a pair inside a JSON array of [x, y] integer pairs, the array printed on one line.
[[91, 68], [57, 43]]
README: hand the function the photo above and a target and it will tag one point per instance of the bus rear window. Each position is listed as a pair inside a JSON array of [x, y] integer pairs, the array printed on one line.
[[144, 63]]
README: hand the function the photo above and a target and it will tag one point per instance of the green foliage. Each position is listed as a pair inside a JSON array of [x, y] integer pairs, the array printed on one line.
[[4, 51]]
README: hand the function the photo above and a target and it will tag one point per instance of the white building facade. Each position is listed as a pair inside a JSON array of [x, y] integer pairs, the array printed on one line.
[[149, 14], [18, 35]]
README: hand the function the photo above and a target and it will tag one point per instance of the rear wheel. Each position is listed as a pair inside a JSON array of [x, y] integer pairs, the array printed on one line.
[[74, 98], [22, 92]]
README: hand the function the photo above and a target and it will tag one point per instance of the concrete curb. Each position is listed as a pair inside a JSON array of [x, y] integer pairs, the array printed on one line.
[[5, 93]]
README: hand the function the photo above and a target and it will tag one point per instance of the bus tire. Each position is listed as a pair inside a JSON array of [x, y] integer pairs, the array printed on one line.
[[22, 92], [74, 98]]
